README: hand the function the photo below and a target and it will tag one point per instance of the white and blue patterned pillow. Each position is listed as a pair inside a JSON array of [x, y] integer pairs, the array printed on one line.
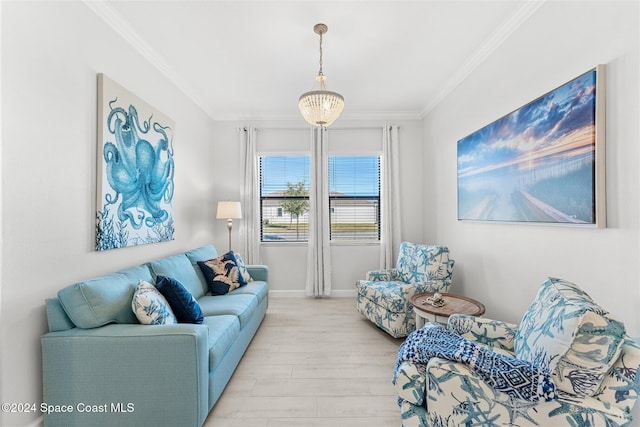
[[422, 263], [242, 267], [150, 307], [567, 333]]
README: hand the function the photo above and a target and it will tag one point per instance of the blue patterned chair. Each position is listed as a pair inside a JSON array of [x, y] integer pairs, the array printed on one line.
[[384, 296], [594, 365]]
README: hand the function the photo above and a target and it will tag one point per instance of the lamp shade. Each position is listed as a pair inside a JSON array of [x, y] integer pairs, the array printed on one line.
[[229, 210], [321, 107]]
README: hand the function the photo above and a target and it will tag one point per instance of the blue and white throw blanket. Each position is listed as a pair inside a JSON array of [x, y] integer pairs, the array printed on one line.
[[517, 378]]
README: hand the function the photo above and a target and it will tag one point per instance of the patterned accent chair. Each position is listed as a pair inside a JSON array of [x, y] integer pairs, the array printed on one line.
[[384, 297], [595, 367]]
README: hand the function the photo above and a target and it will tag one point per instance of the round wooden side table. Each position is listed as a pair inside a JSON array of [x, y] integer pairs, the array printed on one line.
[[453, 304]]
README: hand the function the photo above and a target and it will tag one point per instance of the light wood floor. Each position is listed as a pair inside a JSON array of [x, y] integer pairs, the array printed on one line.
[[312, 363]]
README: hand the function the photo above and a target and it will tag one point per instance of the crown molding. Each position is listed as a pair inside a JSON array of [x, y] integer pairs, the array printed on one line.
[[112, 18], [351, 116], [495, 40], [122, 27]]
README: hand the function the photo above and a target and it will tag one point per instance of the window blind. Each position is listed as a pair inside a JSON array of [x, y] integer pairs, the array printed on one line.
[[354, 197], [284, 198]]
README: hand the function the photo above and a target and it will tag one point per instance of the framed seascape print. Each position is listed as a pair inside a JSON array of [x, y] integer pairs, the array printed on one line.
[[542, 163], [135, 170]]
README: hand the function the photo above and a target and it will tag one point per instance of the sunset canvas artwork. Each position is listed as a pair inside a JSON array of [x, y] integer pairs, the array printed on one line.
[[536, 164]]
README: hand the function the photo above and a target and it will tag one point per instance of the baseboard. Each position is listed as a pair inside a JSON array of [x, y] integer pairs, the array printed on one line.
[[338, 293]]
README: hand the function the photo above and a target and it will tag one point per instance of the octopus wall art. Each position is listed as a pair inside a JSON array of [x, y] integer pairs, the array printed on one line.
[[135, 170]]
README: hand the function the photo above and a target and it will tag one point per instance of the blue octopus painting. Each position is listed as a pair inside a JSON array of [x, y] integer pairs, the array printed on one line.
[[138, 168]]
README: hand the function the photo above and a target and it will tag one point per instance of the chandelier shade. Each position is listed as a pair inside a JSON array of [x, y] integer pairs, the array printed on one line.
[[321, 107]]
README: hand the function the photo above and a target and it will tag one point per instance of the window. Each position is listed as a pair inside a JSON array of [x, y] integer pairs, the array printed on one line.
[[284, 198], [354, 197]]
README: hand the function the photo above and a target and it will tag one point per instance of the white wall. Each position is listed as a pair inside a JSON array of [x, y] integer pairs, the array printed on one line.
[[503, 264], [51, 53], [287, 262]]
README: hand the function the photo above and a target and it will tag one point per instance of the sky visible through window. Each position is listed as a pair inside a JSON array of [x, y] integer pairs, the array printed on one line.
[[354, 175], [277, 171], [349, 175]]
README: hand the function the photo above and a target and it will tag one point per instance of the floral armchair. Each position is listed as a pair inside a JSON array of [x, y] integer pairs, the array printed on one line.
[[592, 362], [384, 296]]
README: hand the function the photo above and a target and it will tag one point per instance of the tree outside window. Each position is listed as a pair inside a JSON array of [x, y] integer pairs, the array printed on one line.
[[296, 203]]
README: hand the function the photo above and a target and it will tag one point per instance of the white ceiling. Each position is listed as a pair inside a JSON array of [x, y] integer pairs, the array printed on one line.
[[252, 59]]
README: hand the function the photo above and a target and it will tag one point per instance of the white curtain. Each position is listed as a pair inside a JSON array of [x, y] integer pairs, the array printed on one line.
[[249, 198], [318, 260], [389, 197]]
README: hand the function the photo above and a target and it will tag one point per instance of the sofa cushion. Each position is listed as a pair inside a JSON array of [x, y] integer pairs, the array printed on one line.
[[150, 307], [137, 273], [180, 268], [101, 300], [421, 263], [222, 274], [184, 306], [566, 332], [238, 305], [223, 330], [256, 287], [202, 253]]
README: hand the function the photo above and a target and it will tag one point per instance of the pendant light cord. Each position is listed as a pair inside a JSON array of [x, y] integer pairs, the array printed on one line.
[[321, 78], [320, 72]]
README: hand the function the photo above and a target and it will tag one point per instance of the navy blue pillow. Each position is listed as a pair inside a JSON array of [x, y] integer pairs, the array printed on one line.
[[222, 274], [184, 306]]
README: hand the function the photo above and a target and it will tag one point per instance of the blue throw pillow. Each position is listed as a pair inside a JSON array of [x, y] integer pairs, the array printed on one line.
[[222, 274], [184, 306]]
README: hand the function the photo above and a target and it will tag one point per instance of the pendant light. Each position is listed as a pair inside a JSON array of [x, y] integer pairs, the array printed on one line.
[[321, 107]]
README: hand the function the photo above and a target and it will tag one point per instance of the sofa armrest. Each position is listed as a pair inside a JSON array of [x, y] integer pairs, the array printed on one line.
[[450, 383], [259, 272], [131, 374], [621, 387], [493, 333], [385, 275], [436, 285], [410, 383], [440, 379]]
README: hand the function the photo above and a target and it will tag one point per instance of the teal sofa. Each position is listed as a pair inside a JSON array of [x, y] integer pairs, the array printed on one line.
[[101, 367]]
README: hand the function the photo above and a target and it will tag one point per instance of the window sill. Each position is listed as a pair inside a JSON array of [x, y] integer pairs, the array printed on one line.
[[334, 243], [283, 244], [355, 243]]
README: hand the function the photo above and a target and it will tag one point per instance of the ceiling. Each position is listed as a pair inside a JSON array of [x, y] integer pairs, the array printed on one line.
[[251, 60]]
